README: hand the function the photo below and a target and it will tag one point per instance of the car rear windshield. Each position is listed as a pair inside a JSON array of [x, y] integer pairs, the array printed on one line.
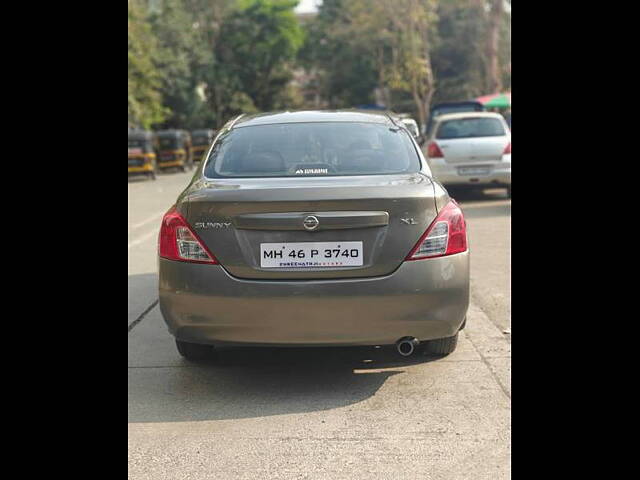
[[312, 149], [470, 127]]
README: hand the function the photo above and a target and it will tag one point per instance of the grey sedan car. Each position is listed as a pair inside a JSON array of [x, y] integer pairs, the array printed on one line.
[[314, 228]]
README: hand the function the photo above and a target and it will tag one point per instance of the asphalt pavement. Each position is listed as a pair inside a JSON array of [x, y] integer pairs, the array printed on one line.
[[335, 413]]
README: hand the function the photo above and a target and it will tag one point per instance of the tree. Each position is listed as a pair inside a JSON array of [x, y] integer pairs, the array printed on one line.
[[364, 47], [504, 50], [204, 61], [339, 54], [254, 62], [495, 14], [144, 81], [492, 14], [410, 70], [182, 54], [458, 53], [212, 74]]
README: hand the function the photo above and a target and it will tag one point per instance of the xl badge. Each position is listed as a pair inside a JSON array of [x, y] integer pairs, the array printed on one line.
[[408, 221]]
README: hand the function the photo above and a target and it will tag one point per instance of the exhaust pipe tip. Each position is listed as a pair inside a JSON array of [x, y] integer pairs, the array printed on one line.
[[407, 345]]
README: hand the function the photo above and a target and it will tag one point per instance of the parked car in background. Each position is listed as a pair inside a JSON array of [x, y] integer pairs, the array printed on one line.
[[314, 228], [142, 155], [451, 107], [201, 141], [174, 149], [412, 126], [471, 150]]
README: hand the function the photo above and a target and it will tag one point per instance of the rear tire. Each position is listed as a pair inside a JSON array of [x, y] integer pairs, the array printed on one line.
[[196, 352], [442, 346]]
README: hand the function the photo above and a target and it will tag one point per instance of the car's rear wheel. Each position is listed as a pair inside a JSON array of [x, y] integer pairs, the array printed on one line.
[[195, 351], [442, 346]]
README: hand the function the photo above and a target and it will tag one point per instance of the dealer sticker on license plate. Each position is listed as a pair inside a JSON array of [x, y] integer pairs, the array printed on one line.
[[311, 255]]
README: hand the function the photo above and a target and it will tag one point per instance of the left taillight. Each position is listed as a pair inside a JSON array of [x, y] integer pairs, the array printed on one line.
[[433, 151], [446, 235], [177, 241]]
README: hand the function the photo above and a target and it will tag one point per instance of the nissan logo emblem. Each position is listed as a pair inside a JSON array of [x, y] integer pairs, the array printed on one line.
[[311, 223]]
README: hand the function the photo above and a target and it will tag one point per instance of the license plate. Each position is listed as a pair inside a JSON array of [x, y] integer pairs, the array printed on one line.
[[311, 255], [474, 170]]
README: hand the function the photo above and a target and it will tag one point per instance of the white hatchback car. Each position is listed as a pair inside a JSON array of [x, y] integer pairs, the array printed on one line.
[[471, 149], [412, 126]]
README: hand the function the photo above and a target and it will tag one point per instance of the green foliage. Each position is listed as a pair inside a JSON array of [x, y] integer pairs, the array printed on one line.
[[458, 54], [144, 94], [341, 55], [364, 47], [260, 41], [182, 54], [196, 63], [357, 46]]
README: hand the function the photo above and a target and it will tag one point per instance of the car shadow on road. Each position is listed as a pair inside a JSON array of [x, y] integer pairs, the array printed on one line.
[[258, 382]]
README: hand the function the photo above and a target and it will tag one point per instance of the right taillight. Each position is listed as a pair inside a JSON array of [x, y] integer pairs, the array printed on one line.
[[446, 235], [177, 241], [507, 149], [433, 151]]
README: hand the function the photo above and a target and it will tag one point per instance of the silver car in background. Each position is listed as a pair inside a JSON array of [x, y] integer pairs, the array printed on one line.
[[411, 125], [471, 149], [312, 229]]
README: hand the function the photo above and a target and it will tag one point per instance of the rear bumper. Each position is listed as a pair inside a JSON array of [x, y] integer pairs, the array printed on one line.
[[448, 174], [426, 299]]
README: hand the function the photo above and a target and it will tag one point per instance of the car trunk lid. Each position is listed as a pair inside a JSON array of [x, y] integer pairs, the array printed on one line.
[[473, 150], [387, 213]]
